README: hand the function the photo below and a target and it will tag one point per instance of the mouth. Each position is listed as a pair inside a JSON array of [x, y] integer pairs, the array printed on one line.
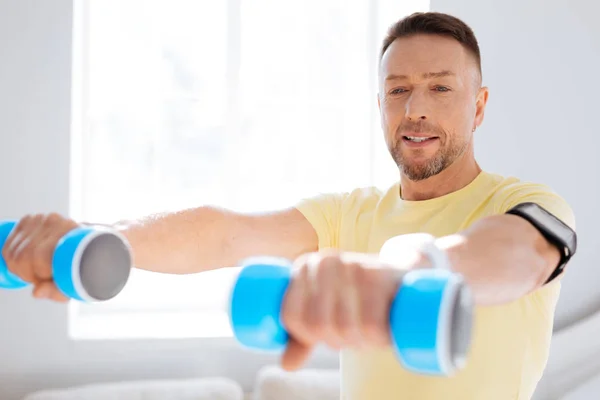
[[419, 141]]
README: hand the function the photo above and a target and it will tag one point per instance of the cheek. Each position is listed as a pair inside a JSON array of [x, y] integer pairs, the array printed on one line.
[[391, 117], [455, 118]]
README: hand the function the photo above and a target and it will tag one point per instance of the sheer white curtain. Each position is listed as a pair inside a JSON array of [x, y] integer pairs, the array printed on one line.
[[247, 104]]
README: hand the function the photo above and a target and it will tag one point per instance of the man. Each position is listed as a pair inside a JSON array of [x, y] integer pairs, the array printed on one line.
[[431, 102]]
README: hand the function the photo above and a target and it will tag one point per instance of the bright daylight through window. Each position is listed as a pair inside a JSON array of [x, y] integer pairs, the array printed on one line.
[[245, 104]]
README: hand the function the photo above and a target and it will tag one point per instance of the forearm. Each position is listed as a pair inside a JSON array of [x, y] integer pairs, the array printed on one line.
[[502, 258], [205, 238], [187, 241]]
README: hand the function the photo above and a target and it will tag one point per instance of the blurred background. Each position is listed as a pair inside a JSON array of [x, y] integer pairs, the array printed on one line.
[[112, 110]]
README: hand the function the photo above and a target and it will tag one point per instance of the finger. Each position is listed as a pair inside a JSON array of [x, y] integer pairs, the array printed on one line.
[[56, 222], [322, 303], [42, 254], [374, 309], [19, 240], [40, 250], [347, 316], [17, 235], [55, 227], [30, 237], [295, 306], [48, 290], [295, 355]]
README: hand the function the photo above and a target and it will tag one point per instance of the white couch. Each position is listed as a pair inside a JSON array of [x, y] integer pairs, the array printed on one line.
[[185, 389], [272, 383]]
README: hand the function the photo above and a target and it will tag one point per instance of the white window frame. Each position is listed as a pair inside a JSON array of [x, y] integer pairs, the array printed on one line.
[[177, 324]]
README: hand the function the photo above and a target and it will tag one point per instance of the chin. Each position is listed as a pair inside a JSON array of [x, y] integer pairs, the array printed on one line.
[[417, 176], [419, 171]]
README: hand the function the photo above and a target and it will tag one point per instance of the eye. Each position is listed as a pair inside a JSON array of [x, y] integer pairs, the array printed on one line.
[[398, 91], [441, 89]]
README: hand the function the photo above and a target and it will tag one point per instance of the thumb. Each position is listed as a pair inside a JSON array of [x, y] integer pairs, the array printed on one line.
[[295, 355], [48, 290]]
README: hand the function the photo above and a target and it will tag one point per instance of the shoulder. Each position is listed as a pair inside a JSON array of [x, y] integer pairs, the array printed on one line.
[[512, 191], [343, 203], [327, 212], [365, 196], [358, 195]]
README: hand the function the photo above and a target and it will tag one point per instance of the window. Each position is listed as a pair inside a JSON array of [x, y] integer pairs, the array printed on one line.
[[248, 104]]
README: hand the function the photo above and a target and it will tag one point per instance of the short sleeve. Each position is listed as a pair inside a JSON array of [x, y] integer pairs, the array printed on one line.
[[542, 195], [324, 212]]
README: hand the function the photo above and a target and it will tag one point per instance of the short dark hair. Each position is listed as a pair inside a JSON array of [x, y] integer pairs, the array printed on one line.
[[434, 23]]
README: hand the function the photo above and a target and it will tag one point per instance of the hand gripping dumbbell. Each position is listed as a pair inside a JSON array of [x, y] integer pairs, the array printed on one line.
[[430, 316], [89, 264]]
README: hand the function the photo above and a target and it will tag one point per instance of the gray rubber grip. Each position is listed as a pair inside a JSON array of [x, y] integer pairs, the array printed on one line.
[[462, 320], [105, 266]]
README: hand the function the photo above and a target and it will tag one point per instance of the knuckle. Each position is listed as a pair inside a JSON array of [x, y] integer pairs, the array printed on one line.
[[302, 260], [23, 221], [34, 221], [330, 261], [52, 219], [327, 266], [303, 272], [353, 268]]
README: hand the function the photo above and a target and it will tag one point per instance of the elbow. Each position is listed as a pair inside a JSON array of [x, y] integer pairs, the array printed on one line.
[[534, 264], [547, 258], [538, 257], [540, 270]]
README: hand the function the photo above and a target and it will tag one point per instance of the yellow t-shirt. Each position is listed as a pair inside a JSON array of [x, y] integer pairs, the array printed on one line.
[[510, 342]]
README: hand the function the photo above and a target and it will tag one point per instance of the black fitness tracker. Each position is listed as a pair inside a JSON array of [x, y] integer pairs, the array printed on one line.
[[553, 229]]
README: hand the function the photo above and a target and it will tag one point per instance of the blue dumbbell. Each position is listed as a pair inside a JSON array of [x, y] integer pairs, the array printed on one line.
[[430, 317], [89, 264]]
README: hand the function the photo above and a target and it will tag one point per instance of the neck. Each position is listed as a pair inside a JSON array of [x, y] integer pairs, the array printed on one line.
[[455, 177]]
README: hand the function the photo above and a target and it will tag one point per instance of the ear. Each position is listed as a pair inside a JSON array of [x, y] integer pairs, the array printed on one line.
[[480, 103]]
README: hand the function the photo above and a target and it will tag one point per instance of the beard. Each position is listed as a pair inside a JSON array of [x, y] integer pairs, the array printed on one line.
[[451, 147]]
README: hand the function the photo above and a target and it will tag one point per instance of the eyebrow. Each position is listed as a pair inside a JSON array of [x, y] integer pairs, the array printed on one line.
[[426, 75]]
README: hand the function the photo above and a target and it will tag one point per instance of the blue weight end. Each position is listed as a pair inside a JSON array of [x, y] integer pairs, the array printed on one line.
[[421, 321], [256, 301], [8, 280], [65, 263]]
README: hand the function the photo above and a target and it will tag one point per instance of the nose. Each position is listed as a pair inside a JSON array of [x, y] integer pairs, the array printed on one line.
[[416, 107]]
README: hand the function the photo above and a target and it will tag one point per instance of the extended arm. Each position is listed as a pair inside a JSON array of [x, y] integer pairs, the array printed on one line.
[[207, 238], [502, 257]]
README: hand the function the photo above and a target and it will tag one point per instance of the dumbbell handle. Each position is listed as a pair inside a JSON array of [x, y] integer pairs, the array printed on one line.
[[88, 264], [430, 317]]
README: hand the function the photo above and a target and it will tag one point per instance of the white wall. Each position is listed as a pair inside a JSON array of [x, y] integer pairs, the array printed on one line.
[[539, 60], [35, 70]]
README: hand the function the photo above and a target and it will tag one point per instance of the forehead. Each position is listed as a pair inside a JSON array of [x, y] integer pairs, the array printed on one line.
[[424, 53]]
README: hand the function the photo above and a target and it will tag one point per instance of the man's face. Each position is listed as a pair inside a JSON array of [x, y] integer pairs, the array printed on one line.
[[430, 101]]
